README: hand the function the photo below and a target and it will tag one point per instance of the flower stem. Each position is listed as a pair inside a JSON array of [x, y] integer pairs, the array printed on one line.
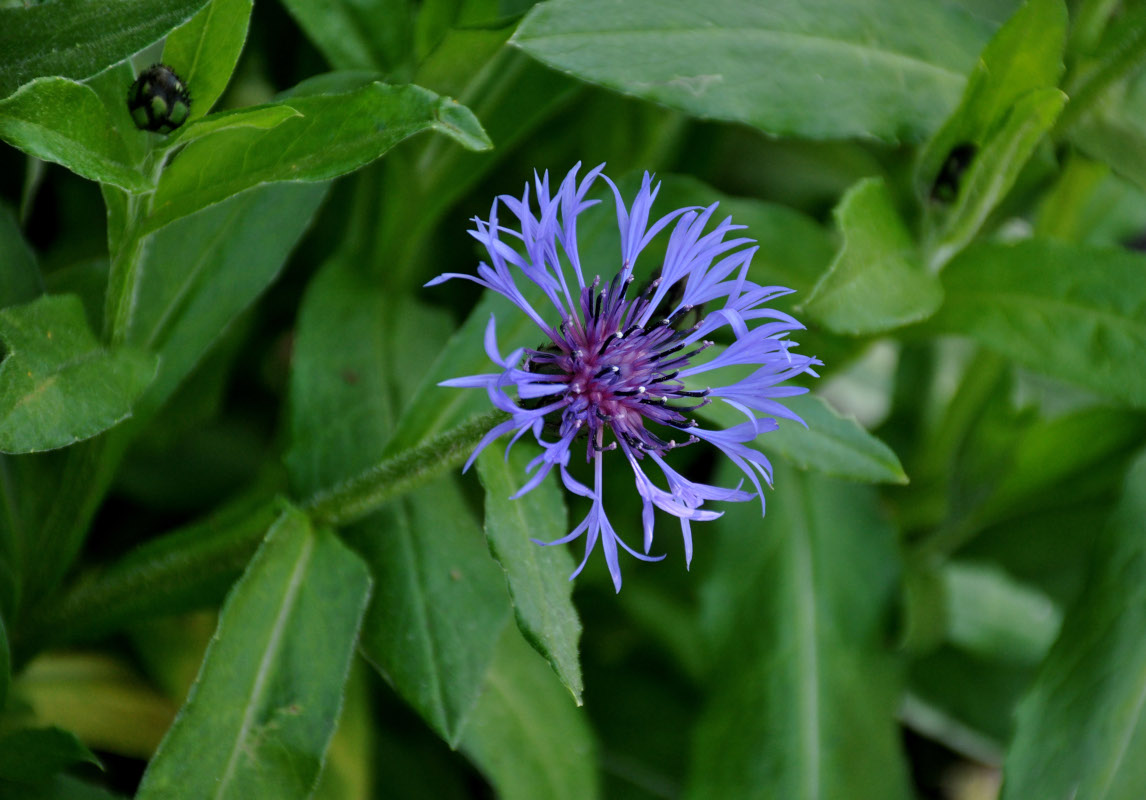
[[355, 498]]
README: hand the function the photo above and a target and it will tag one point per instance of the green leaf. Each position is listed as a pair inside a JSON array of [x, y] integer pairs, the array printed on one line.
[[439, 604], [5, 662], [1071, 311], [262, 117], [538, 577], [200, 273], [340, 401], [1023, 56], [357, 34], [994, 616], [832, 444], [267, 699], [1081, 727], [20, 279], [336, 134], [995, 169], [1115, 131], [78, 38], [435, 409], [804, 690], [525, 735], [32, 755], [821, 70], [877, 282], [58, 385], [65, 122], [204, 50]]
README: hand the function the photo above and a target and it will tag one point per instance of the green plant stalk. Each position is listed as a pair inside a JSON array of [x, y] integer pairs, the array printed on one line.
[[189, 568], [194, 566], [365, 493]]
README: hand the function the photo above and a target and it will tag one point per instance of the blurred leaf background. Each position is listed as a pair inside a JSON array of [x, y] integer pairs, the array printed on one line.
[[238, 558]]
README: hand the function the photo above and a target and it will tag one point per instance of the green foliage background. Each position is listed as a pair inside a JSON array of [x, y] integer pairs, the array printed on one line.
[[237, 558]]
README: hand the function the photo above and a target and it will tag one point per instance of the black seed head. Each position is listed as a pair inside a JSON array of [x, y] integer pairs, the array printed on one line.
[[159, 100]]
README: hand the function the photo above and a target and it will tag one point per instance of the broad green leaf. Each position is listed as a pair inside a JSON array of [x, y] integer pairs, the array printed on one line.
[[33, 755], [995, 169], [435, 409], [204, 50], [877, 281], [258, 117], [525, 735], [20, 279], [59, 385], [336, 134], [832, 444], [821, 70], [78, 38], [1023, 55], [1081, 728], [340, 401], [5, 662], [198, 274], [65, 122], [439, 605], [994, 616], [804, 688], [538, 577], [357, 34], [268, 697], [1070, 311]]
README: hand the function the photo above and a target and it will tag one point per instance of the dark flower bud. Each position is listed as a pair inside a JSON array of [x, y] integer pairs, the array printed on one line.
[[159, 100], [946, 186]]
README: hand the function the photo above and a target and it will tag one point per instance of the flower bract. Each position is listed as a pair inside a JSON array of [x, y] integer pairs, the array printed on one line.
[[624, 366]]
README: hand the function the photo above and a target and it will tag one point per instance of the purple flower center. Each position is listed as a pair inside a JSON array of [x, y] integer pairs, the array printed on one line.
[[618, 373]]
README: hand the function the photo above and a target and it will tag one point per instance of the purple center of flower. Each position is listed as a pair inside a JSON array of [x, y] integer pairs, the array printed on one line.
[[619, 373]]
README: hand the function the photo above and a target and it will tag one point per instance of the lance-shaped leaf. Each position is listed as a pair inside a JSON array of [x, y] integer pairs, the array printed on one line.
[[1023, 55], [78, 38], [832, 444], [430, 565], [34, 755], [1072, 311], [199, 274], [877, 281], [204, 50], [823, 69], [336, 134], [267, 699], [262, 117], [995, 169], [20, 279], [538, 577], [1081, 729], [59, 385], [805, 690], [65, 122], [525, 735]]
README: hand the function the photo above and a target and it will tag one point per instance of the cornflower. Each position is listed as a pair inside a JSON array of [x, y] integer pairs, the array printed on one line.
[[617, 368]]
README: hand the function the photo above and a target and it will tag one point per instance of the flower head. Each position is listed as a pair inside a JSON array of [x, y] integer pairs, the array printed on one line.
[[621, 368]]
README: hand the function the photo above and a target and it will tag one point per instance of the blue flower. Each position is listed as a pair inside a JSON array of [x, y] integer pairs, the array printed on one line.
[[617, 365]]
